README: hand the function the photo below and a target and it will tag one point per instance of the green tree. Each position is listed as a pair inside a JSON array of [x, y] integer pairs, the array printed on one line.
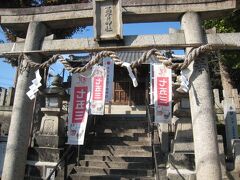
[[229, 62]]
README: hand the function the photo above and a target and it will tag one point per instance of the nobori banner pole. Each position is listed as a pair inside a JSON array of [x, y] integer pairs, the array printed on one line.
[[19, 132], [203, 121]]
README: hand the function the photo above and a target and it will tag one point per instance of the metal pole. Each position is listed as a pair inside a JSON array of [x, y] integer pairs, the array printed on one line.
[[78, 156], [200, 94], [19, 132]]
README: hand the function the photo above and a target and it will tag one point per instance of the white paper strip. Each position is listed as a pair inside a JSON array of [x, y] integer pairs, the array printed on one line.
[[78, 108], [31, 95], [162, 93], [38, 77], [151, 93], [34, 87], [184, 87], [97, 106], [128, 66], [109, 65]]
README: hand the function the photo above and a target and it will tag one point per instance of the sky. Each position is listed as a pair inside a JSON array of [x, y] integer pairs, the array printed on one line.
[[7, 73]]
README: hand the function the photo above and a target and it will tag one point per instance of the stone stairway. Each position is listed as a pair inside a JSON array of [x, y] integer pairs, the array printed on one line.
[[182, 155], [119, 149]]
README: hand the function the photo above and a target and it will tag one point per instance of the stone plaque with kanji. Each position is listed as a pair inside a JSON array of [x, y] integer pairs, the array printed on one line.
[[107, 19]]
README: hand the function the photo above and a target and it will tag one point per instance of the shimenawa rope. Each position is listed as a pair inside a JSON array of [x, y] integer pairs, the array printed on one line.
[[168, 62]]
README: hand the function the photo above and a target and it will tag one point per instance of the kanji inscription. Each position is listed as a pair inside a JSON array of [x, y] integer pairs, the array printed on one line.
[[107, 20]]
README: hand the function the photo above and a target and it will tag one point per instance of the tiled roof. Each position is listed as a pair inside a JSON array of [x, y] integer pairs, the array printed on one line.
[[130, 56], [126, 56]]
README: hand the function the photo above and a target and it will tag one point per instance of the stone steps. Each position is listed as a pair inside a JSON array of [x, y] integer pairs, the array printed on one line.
[[114, 118], [181, 161], [183, 147], [181, 112], [185, 174], [118, 139], [120, 142], [120, 153], [184, 131], [122, 127], [61, 174], [107, 177], [112, 171], [123, 120], [118, 130], [115, 159], [121, 134], [183, 139], [119, 148], [116, 165], [123, 123]]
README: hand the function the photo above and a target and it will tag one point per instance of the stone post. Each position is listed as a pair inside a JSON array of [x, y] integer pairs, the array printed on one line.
[[200, 94], [18, 139]]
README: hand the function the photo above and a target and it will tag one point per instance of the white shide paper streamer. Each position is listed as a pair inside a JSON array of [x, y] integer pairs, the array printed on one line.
[[128, 66], [36, 83]]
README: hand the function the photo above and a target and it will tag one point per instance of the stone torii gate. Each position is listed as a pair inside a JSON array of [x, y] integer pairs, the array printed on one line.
[[38, 22]]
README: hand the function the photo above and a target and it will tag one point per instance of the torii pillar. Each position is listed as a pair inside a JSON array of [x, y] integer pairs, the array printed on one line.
[[19, 132], [201, 101]]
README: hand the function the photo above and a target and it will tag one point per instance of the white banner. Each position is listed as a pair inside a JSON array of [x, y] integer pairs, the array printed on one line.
[[99, 76], [162, 93], [109, 65], [78, 108]]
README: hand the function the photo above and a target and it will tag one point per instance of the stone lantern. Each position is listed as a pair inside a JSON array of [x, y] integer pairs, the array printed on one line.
[[49, 141], [52, 129]]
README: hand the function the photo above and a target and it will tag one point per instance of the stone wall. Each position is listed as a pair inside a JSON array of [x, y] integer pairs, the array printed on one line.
[[5, 118], [6, 102]]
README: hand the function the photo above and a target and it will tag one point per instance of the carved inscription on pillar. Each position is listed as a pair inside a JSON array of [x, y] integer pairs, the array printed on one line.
[[107, 20]]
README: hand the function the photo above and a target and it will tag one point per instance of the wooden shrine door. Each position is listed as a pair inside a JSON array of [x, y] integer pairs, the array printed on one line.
[[124, 92], [121, 92]]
